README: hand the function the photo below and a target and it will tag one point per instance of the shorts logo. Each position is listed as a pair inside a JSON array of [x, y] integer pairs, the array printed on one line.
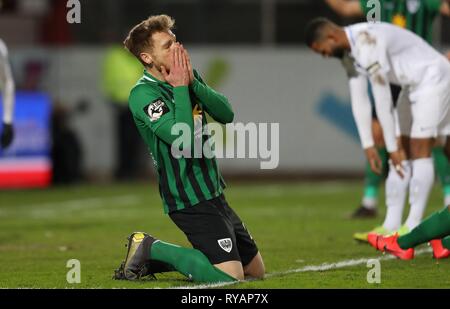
[[156, 109], [226, 244]]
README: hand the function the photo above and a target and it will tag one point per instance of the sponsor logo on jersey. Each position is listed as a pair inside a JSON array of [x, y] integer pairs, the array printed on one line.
[[373, 68], [226, 244], [156, 109]]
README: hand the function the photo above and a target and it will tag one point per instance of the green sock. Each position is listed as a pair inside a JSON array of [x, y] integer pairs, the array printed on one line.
[[446, 242], [442, 168], [372, 180], [190, 262], [435, 226]]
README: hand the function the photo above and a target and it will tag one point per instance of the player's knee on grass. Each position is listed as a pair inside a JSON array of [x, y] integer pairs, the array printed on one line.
[[232, 268], [255, 269]]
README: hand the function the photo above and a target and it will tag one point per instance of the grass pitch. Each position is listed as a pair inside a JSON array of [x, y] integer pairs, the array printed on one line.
[[296, 225]]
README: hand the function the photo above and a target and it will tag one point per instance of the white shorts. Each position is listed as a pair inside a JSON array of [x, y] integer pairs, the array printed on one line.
[[427, 116]]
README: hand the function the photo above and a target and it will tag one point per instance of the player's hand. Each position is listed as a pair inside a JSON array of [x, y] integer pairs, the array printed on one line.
[[189, 64], [179, 75], [448, 55], [396, 160], [7, 135], [374, 160]]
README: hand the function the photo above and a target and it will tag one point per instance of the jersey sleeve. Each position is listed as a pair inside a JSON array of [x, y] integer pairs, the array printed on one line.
[[385, 109], [214, 103], [152, 109], [361, 108]]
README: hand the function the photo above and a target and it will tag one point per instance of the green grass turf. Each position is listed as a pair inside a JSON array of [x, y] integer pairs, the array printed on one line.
[[294, 224]]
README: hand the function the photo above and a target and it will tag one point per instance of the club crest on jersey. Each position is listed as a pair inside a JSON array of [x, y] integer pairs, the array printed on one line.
[[413, 6], [156, 109], [226, 244], [373, 68]]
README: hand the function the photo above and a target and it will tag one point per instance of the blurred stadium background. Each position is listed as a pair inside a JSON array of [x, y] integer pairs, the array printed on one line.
[[73, 128], [251, 50]]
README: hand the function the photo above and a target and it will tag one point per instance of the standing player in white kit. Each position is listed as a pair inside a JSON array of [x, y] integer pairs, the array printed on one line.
[[389, 54]]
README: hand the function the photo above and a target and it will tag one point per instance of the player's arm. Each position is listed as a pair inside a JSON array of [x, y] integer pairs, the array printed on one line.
[[8, 89], [214, 103], [385, 112], [153, 111], [362, 110], [346, 8], [362, 113], [385, 109]]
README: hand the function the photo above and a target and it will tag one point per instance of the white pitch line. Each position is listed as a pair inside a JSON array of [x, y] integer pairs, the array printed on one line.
[[310, 268]]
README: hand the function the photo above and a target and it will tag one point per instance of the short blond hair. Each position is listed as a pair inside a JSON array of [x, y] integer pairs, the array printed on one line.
[[140, 37]]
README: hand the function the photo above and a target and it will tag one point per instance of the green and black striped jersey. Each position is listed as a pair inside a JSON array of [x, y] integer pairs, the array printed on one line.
[[415, 15], [156, 107]]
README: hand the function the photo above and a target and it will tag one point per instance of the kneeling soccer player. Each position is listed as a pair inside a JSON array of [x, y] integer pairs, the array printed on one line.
[[171, 93], [434, 229]]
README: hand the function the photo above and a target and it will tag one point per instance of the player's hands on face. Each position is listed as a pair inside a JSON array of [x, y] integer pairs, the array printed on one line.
[[374, 160], [179, 74], [189, 64], [396, 160], [7, 135]]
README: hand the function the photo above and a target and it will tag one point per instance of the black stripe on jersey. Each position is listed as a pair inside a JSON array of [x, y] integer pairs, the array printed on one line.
[[205, 174], [180, 187], [426, 25], [165, 189], [414, 24], [194, 183]]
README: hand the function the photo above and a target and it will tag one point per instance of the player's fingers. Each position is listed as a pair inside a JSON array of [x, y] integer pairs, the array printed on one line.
[[180, 58], [379, 164], [176, 62], [163, 71], [399, 169], [183, 57], [186, 54], [374, 166]]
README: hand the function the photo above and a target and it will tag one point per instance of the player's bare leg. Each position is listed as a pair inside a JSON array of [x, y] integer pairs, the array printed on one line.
[[255, 269], [232, 268]]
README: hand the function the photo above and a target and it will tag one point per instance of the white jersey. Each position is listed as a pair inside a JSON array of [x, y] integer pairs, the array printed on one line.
[[6, 84], [388, 54]]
